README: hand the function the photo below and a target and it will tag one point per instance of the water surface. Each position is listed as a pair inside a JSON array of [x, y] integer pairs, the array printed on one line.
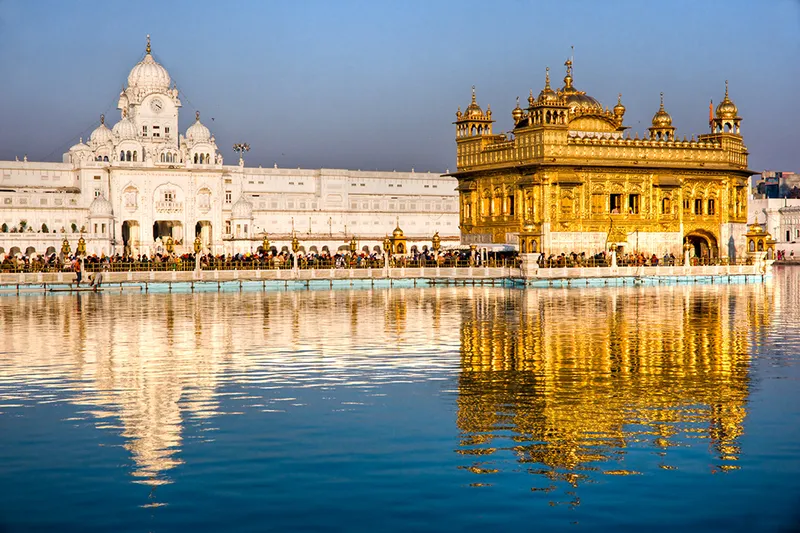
[[431, 409]]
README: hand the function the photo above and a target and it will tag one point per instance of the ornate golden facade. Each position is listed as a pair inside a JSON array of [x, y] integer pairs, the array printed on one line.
[[568, 177]]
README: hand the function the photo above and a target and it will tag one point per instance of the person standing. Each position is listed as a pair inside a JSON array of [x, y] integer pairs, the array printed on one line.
[[76, 266]]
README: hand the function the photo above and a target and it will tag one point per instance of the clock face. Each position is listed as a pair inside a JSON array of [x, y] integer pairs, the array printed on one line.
[[156, 105]]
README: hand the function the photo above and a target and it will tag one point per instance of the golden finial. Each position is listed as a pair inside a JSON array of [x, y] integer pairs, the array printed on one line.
[[517, 101], [726, 88], [530, 99], [473, 94], [102, 119], [147, 50], [619, 99], [197, 116], [547, 77], [662, 101]]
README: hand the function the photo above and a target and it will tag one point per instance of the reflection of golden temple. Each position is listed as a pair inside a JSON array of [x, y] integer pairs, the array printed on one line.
[[578, 379]]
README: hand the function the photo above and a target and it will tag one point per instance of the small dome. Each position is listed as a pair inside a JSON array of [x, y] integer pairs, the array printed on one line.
[[473, 109], [197, 132], [101, 134], [548, 95], [619, 109], [397, 231], [726, 108], [148, 73], [125, 129], [80, 147], [100, 207], [517, 113], [242, 208], [662, 119]]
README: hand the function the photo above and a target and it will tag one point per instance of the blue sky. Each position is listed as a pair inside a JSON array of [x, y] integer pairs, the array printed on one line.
[[369, 84]]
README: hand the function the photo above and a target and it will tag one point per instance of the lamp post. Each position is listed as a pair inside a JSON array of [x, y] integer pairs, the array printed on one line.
[[613, 248], [197, 246], [170, 245], [295, 249], [81, 251], [686, 248], [241, 148], [353, 248], [387, 251], [265, 244], [436, 243], [65, 248]]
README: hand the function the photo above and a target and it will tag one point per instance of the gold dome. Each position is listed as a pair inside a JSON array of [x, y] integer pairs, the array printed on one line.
[[574, 98], [726, 108], [548, 95], [619, 109], [397, 231], [473, 109], [662, 119], [517, 113]]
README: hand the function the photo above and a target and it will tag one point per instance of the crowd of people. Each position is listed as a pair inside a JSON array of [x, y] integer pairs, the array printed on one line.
[[325, 259]]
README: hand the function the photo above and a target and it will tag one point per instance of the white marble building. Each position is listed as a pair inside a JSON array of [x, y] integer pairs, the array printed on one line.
[[131, 186], [781, 217]]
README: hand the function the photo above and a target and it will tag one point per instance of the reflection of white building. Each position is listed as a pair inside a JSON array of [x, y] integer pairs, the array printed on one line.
[[136, 183]]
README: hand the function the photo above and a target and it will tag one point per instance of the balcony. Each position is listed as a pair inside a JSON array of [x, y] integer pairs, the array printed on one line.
[[169, 207]]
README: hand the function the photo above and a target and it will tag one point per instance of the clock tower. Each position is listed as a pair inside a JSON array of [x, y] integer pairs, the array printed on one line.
[[152, 105]]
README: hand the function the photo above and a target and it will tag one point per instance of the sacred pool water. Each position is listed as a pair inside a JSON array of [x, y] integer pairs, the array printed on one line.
[[672, 407]]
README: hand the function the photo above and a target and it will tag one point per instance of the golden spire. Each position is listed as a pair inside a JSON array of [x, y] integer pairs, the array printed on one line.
[[619, 109], [197, 116], [568, 77], [662, 100], [726, 88], [473, 92], [102, 119], [147, 50], [530, 99], [547, 77]]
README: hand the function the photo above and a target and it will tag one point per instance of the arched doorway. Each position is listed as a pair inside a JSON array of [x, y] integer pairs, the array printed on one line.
[[704, 245], [130, 237], [203, 230]]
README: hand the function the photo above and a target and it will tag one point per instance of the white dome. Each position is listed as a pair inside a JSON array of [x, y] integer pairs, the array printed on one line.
[[80, 147], [100, 207], [197, 132], [125, 129], [149, 74], [242, 208], [101, 134]]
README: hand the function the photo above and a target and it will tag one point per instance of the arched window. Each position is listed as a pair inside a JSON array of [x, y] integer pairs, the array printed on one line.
[[122, 155], [666, 208], [760, 245], [163, 160], [208, 159], [105, 158], [128, 155], [711, 207], [751, 246], [195, 158], [135, 155]]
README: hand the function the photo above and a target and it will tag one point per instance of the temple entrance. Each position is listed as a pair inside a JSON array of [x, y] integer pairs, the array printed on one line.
[[704, 245], [168, 228], [203, 230], [130, 237]]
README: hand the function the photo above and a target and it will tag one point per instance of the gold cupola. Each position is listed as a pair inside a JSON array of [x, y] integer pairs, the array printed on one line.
[[473, 122], [726, 108], [517, 113], [662, 129], [727, 119], [619, 109], [573, 98], [548, 95]]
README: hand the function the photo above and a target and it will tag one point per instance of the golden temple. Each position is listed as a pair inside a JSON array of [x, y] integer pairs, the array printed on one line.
[[569, 178]]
